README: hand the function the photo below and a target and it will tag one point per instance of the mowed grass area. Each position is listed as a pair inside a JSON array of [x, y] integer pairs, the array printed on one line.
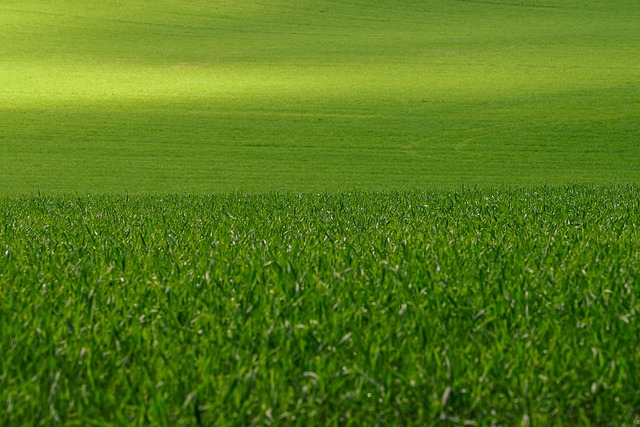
[[202, 97], [471, 307]]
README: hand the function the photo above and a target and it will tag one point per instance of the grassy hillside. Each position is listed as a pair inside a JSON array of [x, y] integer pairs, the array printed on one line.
[[501, 307], [285, 95], [319, 302]]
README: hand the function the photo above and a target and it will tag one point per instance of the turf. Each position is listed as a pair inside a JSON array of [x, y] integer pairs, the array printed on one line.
[[423, 212], [202, 97], [472, 307]]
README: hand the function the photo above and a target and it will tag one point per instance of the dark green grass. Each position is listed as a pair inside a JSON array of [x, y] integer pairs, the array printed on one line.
[[467, 307]]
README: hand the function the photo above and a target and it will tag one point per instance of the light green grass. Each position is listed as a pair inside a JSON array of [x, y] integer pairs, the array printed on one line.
[[405, 308], [308, 96]]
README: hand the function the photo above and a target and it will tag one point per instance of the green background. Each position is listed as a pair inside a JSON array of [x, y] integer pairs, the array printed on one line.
[[199, 97]]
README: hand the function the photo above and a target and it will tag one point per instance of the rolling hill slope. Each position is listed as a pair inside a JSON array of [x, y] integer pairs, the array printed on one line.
[[316, 96]]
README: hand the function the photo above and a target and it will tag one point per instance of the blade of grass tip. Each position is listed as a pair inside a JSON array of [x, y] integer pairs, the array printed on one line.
[[345, 338], [445, 397]]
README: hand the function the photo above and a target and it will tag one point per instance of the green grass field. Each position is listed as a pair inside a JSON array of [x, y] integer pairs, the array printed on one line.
[[202, 97], [347, 212], [472, 307]]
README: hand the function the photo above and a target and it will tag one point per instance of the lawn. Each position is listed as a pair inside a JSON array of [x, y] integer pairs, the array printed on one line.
[[205, 97], [344, 212]]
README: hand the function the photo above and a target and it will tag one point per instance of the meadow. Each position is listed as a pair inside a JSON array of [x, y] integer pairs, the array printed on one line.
[[472, 307], [200, 97], [345, 212]]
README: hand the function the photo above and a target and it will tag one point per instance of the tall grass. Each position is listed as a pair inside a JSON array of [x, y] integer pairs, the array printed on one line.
[[470, 307]]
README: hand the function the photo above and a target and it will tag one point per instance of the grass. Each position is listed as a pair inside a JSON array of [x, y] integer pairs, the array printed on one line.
[[422, 213], [474, 306], [206, 98]]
